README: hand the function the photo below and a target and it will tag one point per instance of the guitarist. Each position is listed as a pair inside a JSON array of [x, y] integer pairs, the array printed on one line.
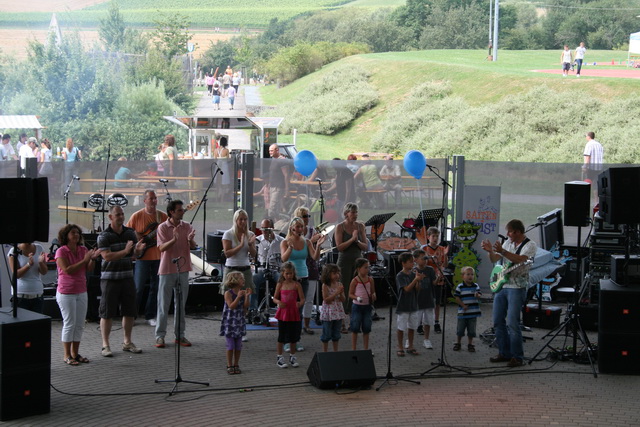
[[145, 223], [508, 302]]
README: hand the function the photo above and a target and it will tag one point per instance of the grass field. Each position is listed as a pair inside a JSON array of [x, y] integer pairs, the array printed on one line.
[[472, 77]]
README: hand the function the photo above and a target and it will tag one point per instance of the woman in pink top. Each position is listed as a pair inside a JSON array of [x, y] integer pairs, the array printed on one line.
[[73, 260]]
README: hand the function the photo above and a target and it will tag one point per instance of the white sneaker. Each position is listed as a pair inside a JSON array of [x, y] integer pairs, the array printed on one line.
[[152, 322], [406, 344], [245, 339], [299, 347], [280, 362], [293, 362], [427, 344], [287, 348]]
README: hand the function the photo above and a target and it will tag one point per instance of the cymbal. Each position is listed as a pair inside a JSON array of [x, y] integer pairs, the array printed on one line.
[[325, 250], [327, 229], [270, 229]]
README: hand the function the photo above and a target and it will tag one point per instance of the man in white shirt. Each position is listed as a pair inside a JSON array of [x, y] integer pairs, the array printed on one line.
[[268, 246], [580, 51], [27, 152], [593, 160], [6, 149]]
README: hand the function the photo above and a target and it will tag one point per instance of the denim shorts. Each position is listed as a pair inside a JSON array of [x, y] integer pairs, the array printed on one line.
[[360, 319]]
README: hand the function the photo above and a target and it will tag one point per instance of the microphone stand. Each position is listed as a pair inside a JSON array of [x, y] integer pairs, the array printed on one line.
[[389, 376], [321, 200], [445, 184], [202, 274], [66, 198], [442, 361], [178, 309], [164, 183], [104, 189]]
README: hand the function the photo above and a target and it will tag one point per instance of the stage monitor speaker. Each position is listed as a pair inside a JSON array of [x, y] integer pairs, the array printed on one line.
[[25, 364], [619, 308], [576, 203], [618, 353], [618, 204], [28, 218], [214, 248], [351, 369]]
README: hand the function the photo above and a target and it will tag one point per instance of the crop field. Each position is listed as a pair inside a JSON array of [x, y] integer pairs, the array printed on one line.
[[201, 14]]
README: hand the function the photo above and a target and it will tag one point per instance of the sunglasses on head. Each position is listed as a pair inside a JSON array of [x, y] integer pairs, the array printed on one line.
[[305, 216]]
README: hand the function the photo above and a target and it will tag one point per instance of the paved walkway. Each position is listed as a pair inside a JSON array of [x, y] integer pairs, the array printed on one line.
[[122, 391]]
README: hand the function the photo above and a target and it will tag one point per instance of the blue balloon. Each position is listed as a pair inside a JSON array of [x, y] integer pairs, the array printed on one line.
[[415, 163], [305, 162]]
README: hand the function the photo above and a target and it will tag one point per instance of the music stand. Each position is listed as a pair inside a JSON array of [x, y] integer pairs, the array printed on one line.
[[429, 217], [376, 221]]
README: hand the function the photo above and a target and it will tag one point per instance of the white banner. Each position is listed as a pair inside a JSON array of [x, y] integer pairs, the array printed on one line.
[[481, 218]]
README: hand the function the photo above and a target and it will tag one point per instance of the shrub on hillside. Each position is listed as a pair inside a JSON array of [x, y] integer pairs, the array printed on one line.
[[331, 104], [539, 126]]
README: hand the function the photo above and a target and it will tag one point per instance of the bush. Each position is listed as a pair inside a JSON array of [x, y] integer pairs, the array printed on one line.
[[330, 104], [541, 125]]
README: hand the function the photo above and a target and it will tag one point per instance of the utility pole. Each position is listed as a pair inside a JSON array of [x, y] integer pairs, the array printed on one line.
[[496, 18]]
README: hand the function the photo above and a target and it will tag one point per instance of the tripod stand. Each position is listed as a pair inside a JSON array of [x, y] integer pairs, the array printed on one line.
[[177, 287], [443, 300], [389, 376], [572, 323]]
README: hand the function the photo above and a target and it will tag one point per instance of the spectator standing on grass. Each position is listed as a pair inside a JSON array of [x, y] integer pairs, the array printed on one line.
[[566, 58], [580, 52]]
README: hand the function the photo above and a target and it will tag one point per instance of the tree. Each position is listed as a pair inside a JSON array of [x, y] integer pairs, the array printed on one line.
[[171, 35], [112, 29]]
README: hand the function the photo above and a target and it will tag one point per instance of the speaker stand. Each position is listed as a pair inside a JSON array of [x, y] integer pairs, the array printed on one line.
[[389, 376], [572, 323]]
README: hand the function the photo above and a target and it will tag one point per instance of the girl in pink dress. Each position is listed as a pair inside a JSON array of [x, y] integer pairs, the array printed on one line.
[[289, 298], [332, 311]]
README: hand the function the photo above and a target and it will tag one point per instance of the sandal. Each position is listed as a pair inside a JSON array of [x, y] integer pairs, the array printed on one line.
[[231, 370], [456, 347], [308, 331], [400, 353], [81, 359], [236, 370], [413, 352], [471, 348], [71, 361]]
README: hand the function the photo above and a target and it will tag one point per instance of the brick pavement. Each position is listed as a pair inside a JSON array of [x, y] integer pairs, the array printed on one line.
[[543, 393]]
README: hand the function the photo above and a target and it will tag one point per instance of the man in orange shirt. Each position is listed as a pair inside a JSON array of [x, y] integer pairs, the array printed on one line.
[[145, 223]]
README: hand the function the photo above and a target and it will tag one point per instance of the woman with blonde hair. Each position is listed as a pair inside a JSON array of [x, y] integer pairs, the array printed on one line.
[[297, 248], [238, 244], [71, 155]]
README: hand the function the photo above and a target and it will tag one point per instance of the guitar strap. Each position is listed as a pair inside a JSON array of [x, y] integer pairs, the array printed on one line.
[[518, 249]]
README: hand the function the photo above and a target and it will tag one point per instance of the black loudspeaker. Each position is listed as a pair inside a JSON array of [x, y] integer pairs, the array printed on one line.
[[25, 365], [31, 168], [576, 203], [618, 203], [619, 329], [342, 369], [214, 248], [28, 218]]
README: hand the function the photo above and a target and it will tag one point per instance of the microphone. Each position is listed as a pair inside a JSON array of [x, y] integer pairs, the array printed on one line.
[[319, 179], [76, 177], [502, 237], [219, 170], [175, 260], [164, 181]]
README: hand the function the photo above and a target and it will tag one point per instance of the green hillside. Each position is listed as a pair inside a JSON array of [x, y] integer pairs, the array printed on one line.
[[474, 81]]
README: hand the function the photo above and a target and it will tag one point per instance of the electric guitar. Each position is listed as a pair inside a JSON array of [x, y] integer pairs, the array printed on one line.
[[500, 274], [149, 239]]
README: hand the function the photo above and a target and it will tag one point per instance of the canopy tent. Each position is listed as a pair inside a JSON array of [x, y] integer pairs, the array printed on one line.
[[21, 122], [634, 46]]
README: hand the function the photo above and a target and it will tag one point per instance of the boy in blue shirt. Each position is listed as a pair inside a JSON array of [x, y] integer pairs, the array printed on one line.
[[467, 294]]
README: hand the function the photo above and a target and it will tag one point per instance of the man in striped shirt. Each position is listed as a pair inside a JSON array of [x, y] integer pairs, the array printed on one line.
[[593, 160]]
